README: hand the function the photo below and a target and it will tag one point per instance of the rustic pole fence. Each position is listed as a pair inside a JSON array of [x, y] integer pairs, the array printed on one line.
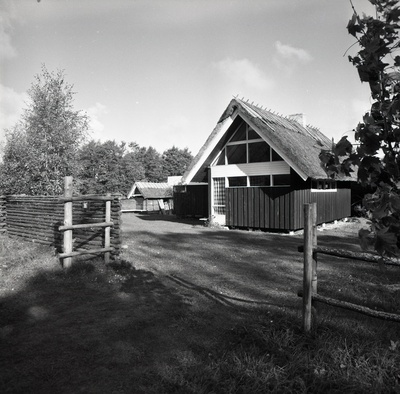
[[68, 226], [68, 181], [309, 293], [3, 214], [107, 231]]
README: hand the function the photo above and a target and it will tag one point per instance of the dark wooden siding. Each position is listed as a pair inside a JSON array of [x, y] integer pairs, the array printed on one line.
[[281, 208], [192, 202], [330, 206], [258, 207]]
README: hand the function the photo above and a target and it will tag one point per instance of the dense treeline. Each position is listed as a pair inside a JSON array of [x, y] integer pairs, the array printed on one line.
[[99, 167], [51, 141], [112, 167]]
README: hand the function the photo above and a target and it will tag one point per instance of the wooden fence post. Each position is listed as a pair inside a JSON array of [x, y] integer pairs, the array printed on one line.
[[107, 231], [308, 267], [67, 262], [314, 282], [315, 244]]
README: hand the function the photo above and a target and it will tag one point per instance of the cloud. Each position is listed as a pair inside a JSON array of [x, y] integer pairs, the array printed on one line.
[[12, 104], [94, 114], [292, 53], [243, 71], [6, 15], [287, 57]]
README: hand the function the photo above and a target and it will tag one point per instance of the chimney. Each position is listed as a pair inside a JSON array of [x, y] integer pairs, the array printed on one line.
[[299, 118]]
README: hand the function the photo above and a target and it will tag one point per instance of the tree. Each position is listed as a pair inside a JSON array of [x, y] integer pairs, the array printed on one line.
[[43, 147], [133, 166], [377, 156], [14, 174], [108, 167], [175, 161], [153, 165]]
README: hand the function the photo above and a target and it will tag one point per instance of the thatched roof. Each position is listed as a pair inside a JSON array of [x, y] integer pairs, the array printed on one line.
[[298, 145], [151, 190]]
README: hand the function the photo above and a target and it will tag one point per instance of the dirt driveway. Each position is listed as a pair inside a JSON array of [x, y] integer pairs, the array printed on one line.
[[232, 267]]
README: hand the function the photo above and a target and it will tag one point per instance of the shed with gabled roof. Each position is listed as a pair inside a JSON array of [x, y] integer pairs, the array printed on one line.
[[261, 167], [149, 197]]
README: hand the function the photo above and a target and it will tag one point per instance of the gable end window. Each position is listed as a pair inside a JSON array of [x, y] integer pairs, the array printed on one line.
[[246, 146], [236, 154], [259, 152]]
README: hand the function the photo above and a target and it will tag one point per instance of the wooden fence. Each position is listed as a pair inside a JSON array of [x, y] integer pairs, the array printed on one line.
[[38, 218], [3, 213], [69, 226], [309, 293]]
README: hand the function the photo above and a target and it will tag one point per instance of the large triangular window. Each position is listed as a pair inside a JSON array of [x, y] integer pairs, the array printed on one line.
[[246, 146]]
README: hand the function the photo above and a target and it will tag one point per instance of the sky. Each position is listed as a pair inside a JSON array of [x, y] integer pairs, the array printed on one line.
[[161, 72]]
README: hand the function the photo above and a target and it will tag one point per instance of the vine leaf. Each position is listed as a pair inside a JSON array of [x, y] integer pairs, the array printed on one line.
[[353, 27], [343, 147]]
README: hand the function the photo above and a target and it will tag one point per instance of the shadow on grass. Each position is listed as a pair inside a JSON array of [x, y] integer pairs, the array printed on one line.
[[92, 329], [185, 312], [157, 217], [110, 329], [223, 299]]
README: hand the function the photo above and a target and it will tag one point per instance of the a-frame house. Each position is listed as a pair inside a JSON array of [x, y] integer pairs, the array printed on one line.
[[258, 169]]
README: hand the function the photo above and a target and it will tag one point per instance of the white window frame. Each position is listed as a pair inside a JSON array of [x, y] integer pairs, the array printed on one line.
[[323, 190], [243, 142]]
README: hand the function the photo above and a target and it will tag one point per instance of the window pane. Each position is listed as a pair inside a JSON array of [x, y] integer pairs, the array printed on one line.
[[323, 185], [252, 135], [280, 180], [259, 152], [236, 154], [237, 181], [275, 156], [180, 189], [221, 159], [219, 210], [263, 180], [219, 191], [240, 134]]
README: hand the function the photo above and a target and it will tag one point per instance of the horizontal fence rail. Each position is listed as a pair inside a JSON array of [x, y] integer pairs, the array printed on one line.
[[353, 307], [363, 256]]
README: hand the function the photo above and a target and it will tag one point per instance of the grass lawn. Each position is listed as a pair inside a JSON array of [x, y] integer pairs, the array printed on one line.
[[191, 309]]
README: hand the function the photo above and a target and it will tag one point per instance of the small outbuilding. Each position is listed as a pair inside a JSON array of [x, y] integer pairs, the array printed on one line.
[[259, 169], [149, 197]]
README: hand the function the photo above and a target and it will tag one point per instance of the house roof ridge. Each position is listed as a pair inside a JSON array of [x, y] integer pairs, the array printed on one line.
[[287, 117], [309, 130]]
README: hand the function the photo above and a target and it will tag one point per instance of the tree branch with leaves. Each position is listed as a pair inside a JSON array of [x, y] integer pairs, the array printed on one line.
[[377, 156]]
